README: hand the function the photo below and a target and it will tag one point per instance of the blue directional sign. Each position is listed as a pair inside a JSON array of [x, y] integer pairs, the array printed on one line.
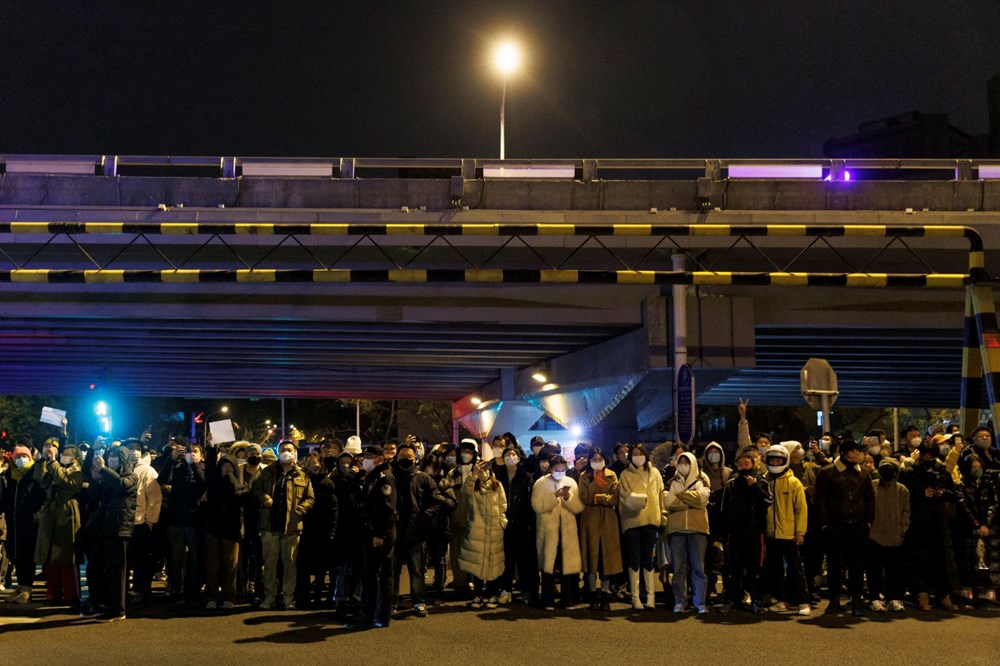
[[685, 404]]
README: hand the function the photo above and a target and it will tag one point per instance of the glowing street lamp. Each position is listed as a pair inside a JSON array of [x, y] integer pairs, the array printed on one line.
[[506, 60]]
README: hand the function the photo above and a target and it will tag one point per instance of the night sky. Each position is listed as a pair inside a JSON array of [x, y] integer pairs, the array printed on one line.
[[372, 78]]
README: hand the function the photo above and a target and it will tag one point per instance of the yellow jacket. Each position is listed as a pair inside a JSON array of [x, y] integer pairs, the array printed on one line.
[[787, 516]]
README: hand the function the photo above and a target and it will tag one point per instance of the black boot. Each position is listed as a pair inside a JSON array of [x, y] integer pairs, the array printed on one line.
[[603, 604]]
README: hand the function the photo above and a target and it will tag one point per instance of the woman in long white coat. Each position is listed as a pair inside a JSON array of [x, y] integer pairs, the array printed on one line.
[[482, 553], [555, 498]]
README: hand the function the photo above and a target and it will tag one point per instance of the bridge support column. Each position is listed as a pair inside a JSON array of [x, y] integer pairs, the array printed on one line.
[[983, 363]]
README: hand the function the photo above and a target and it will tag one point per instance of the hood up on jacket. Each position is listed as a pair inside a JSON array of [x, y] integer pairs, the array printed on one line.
[[127, 459], [717, 447], [693, 473]]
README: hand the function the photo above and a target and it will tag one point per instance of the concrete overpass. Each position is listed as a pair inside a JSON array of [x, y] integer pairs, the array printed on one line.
[[451, 279]]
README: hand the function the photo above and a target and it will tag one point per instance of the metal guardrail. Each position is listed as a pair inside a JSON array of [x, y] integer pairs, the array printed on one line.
[[589, 169]]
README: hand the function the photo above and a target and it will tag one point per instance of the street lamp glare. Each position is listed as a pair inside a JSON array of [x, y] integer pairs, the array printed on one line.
[[506, 58], [225, 409]]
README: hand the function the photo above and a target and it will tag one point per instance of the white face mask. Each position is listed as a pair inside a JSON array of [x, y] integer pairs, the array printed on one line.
[[66, 460], [683, 470], [21, 461], [136, 455], [368, 464], [451, 460], [874, 449], [597, 466], [114, 462], [638, 461], [286, 457], [510, 461], [714, 457], [914, 442], [466, 458], [944, 450], [558, 476]]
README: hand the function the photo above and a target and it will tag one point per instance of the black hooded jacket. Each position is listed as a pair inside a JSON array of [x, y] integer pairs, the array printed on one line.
[[113, 496]]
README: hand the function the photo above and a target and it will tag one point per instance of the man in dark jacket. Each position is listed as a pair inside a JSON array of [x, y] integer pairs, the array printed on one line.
[[113, 493], [417, 504], [930, 561], [319, 532], [378, 497], [845, 504], [223, 527], [347, 541], [21, 496], [186, 480], [743, 508]]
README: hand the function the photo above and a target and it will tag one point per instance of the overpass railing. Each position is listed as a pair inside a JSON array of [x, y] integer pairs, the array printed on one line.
[[581, 168]]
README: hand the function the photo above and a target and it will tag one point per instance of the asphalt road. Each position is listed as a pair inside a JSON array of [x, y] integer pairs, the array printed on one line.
[[454, 634]]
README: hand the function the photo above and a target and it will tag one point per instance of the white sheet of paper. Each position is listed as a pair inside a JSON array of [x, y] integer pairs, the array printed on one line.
[[53, 416], [222, 431]]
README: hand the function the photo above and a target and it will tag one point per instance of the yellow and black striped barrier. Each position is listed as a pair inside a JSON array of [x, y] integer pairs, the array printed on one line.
[[488, 276]]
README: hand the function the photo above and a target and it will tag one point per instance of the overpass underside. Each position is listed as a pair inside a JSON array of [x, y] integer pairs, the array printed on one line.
[[470, 290]]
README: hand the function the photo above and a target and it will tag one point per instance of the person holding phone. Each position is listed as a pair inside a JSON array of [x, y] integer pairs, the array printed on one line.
[[640, 506], [556, 500], [482, 553]]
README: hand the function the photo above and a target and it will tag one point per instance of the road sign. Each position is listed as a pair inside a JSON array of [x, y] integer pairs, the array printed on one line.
[[685, 404], [818, 382]]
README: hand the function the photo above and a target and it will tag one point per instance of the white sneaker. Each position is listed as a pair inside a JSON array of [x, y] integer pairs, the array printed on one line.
[[805, 609], [896, 606], [878, 606], [211, 605], [227, 605], [504, 597], [778, 607], [746, 599], [267, 604]]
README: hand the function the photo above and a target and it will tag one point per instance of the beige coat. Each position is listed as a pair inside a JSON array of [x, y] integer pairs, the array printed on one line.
[[639, 496], [482, 552], [600, 541], [686, 501], [556, 522]]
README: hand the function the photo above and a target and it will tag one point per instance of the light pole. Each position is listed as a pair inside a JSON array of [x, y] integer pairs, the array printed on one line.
[[224, 410], [506, 59]]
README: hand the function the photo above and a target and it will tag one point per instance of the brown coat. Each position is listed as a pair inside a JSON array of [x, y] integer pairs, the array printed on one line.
[[59, 517], [600, 540]]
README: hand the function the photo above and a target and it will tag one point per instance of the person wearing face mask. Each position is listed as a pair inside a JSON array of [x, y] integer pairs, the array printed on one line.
[[743, 511], [555, 499], [535, 448], [21, 497], [284, 494], [686, 506], [319, 532], [250, 571], [600, 536], [347, 541], [845, 502], [943, 445], [787, 520], [983, 447], [713, 465], [640, 495], [60, 475], [929, 558], [439, 531], [457, 504], [223, 508], [812, 545], [378, 509], [112, 494], [417, 505], [482, 553], [520, 553], [911, 444], [884, 574], [186, 479], [979, 530], [149, 501]]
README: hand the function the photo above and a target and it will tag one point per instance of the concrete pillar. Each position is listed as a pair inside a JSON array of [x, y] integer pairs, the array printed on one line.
[[679, 303]]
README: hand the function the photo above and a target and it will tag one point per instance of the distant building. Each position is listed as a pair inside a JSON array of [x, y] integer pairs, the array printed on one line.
[[915, 134]]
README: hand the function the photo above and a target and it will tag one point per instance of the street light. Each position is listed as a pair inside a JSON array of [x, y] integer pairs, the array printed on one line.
[[506, 59], [224, 410]]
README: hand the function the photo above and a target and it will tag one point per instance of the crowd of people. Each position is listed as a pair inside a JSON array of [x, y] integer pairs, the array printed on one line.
[[766, 527]]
